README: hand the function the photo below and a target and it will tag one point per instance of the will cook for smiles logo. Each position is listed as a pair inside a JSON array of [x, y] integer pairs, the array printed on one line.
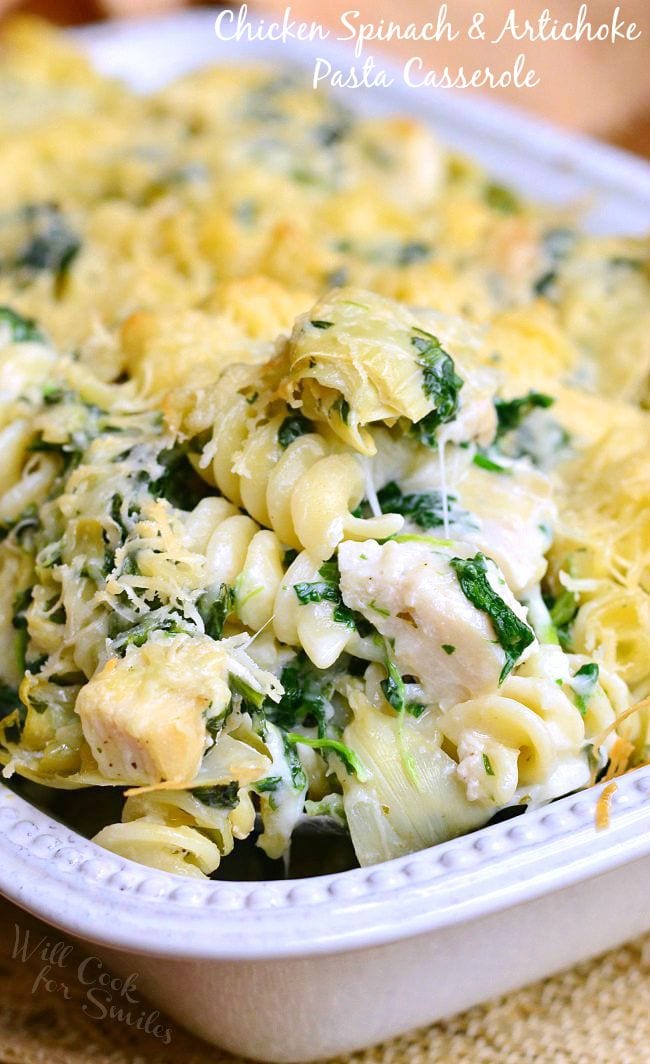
[[103, 996]]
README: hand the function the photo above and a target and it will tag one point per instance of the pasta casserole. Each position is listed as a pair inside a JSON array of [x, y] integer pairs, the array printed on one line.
[[325, 494]]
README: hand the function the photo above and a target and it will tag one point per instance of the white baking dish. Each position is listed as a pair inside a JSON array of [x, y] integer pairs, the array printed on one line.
[[297, 970]]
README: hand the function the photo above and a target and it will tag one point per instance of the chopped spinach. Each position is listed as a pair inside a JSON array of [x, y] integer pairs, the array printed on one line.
[[563, 611], [413, 251], [9, 700], [326, 590], [249, 696], [483, 461], [322, 324], [214, 725], [70, 451], [394, 688], [511, 412], [298, 777], [20, 330], [329, 133], [544, 284], [347, 756], [342, 408], [500, 198], [556, 244], [292, 427], [10, 703], [21, 604], [53, 394], [415, 709], [564, 608], [47, 241], [513, 634], [440, 383], [268, 784], [179, 482], [448, 648], [305, 698], [219, 796], [424, 508], [214, 607], [138, 634], [583, 684]]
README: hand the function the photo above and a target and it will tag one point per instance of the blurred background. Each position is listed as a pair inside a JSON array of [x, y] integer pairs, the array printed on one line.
[[600, 88]]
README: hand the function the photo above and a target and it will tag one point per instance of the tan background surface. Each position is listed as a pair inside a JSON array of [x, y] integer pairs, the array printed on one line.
[[596, 1014]]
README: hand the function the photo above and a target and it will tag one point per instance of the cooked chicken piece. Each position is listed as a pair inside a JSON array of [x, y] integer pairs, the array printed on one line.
[[412, 595], [143, 715]]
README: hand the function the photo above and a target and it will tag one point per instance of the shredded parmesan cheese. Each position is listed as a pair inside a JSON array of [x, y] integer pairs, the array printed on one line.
[[603, 806]]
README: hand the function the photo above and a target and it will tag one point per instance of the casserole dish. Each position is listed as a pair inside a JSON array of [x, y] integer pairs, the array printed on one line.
[[258, 967], [421, 936]]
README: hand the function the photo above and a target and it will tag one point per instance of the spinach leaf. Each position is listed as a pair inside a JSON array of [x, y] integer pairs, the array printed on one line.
[[49, 243], [70, 451], [347, 756], [440, 383], [394, 688], [583, 683], [138, 634], [332, 132], [298, 777], [20, 330], [342, 408], [424, 508], [557, 243], [214, 607], [483, 461], [179, 482], [9, 700], [563, 611], [220, 796], [305, 699], [10, 703], [326, 590], [413, 251], [267, 785], [292, 427], [21, 604], [511, 412], [513, 634], [500, 198], [249, 696]]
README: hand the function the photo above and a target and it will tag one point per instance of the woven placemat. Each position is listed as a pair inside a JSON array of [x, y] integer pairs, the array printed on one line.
[[598, 1013]]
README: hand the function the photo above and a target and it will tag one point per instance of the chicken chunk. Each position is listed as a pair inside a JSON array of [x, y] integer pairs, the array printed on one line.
[[412, 595], [143, 715]]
